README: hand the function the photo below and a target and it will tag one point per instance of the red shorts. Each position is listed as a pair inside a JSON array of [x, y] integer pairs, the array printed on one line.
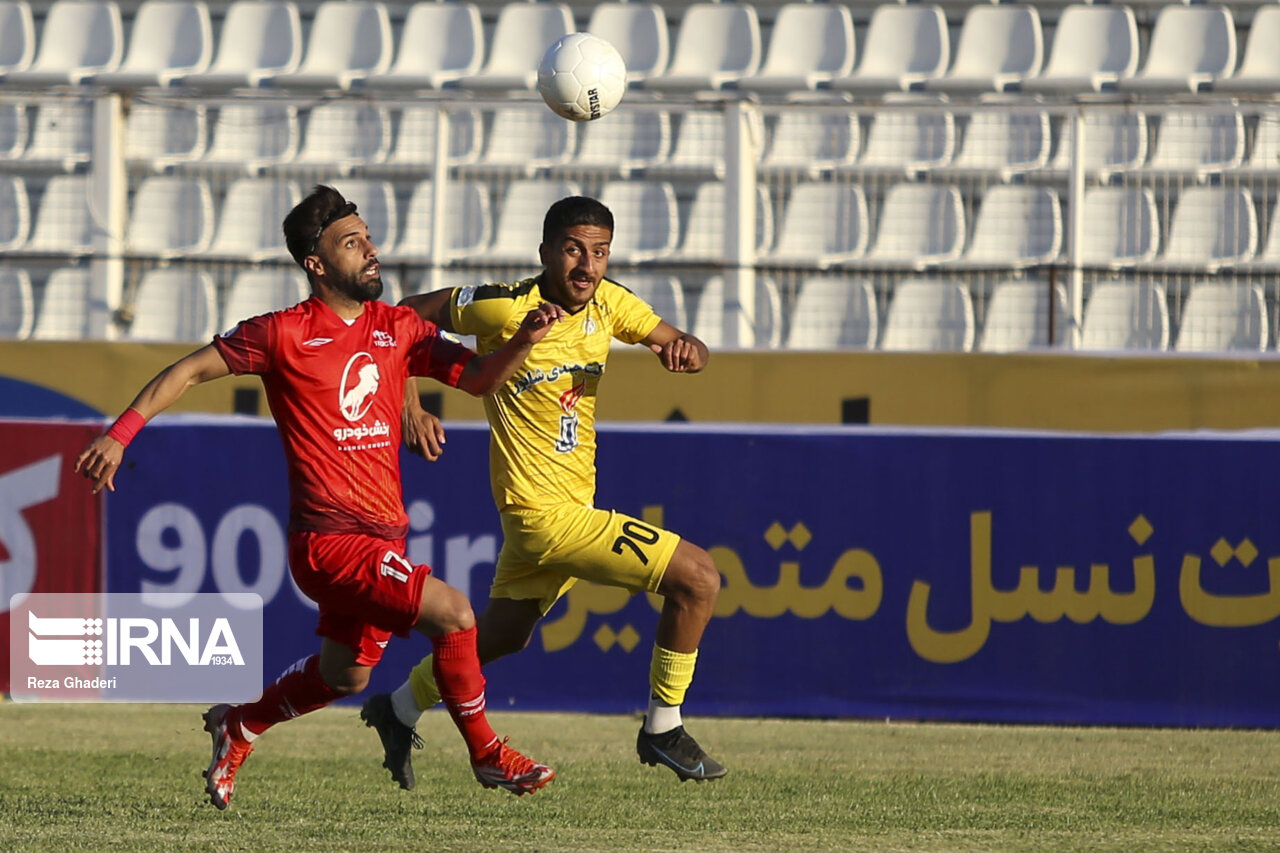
[[366, 588]]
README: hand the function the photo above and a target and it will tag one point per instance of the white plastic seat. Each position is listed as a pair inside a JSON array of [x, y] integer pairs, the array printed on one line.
[[1264, 152], [255, 292], [703, 240], [79, 38], [17, 304], [519, 226], [249, 137], [1000, 46], [1259, 71], [1016, 226], [1268, 257], [663, 293], [174, 305], [711, 320], [249, 220], [1093, 48], [1020, 314], [170, 216], [1212, 227], [439, 43], [811, 142], [414, 149], [259, 40], [1000, 144], [158, 136], [638, 31], [342, 135], [908, 141], [467, 227], [823, 224], [1220, 316], [524, 139], [834, 313], [169, 39], [1125, 315], [350, 41], [521, 36], [1197, 142], [15, 213], [698, 152], [65, 224], [376, 203], [1191, 48], [62, 138], [632, 139], [904, 46], [919, 225], [929, 315], [646, 220], [718, 43], [811, 43], [17, 36], [1114, 141], [64, 306], [13, 130], [1121, 226]]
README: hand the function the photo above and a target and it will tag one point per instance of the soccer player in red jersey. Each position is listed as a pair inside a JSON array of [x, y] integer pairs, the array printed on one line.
[[334, 368]]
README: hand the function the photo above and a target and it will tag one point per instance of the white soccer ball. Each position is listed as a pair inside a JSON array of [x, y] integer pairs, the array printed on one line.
[[582, 77]]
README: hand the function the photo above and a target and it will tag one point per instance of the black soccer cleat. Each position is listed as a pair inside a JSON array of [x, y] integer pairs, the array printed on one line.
[[398, 740], [677, 750]]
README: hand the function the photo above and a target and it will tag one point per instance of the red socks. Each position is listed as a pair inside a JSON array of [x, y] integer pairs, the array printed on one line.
[[457, 671], [299, 690]]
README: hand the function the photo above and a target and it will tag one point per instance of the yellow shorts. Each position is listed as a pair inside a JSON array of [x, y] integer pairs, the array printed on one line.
[[545, 551]]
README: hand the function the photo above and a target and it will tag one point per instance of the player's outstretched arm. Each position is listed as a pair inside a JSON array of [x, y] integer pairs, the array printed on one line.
[[100, 460], [422, 431], [485, 374], [432, 307], [679, 352]]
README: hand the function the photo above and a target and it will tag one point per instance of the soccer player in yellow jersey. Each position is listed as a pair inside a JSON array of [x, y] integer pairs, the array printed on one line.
[[542, 469]]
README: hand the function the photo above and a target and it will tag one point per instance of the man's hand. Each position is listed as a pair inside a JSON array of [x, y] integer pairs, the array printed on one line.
[[422, 432], [679, 355], [100, 461], [538, 322]]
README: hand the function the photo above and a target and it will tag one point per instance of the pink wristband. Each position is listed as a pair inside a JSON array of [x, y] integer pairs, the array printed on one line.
[[126, 426]]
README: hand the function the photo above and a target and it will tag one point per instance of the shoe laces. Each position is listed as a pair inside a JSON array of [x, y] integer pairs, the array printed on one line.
[[511, 761], [415, 739]]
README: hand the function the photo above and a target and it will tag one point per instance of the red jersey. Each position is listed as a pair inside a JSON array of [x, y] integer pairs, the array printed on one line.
[[336, 392]]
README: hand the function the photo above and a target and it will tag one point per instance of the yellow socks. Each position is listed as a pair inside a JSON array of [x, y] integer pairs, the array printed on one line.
[[670, 675]]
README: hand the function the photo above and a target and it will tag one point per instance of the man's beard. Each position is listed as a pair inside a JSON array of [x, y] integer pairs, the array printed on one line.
[[358, 288]]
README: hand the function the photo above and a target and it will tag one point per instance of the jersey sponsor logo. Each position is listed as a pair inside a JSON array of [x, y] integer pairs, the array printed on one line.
[[569, 399], [466, 295], [359, 386], [383, 339], [532, 378], [589, 327], [317, 342], [379, 428]]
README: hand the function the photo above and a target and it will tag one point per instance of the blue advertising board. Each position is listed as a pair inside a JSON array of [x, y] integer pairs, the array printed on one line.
[[925, 574]]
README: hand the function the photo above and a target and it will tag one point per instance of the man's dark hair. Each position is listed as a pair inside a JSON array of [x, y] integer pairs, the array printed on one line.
[[307, 221], [572, 211]]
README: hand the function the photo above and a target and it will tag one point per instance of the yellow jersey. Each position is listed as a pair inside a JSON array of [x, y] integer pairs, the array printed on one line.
[[542, 445]]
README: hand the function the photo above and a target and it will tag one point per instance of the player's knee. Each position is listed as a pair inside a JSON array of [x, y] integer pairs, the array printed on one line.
[[705, 579], [347, 682], [694, 579], [454, 613]]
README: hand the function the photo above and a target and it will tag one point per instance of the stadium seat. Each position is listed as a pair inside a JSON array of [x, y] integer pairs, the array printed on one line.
[[1212, 227], [350, 41], [1191, 48], [249, 220], [1093, 48], [1016, 226], [376, 204], [62, 138], [1000, 46], [823, 224], [1001, 143], [521, 36], [342, 135], [65, 223], [17, 304], [1259, 71], [647, 222], [904, 46], [255, 292], [79, 38], [638, 31], [524, 139], [1114, 141], [919, 225], [160, 135], [169, 39], [632, 139], [174, 305], [834, 313], [811, 142], [439, 43], [664, 294], [924, 314], [1018, 317], [170, 216], [467, 227], [1197, 143], [1121, 226], [15, 213], [1268, 257], [711, 320], [907, 141], [811, 43], [17, 36], [64, 306], [698, 152], [1223, 316], [1264, 152], [259, 40], [414, 149], [718, 43], [703, 240], [13, 130], [1125, 315], [249, 137], [520, 214]]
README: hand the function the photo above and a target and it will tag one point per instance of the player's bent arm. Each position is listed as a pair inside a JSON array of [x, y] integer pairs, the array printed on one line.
[[433, 307], [421, 431], [679, 352], [485, 374]]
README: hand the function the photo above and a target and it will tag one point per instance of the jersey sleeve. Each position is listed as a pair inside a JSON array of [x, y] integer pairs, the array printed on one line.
[[633, 318], [438, 358], [473, 313], [248, 347]]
